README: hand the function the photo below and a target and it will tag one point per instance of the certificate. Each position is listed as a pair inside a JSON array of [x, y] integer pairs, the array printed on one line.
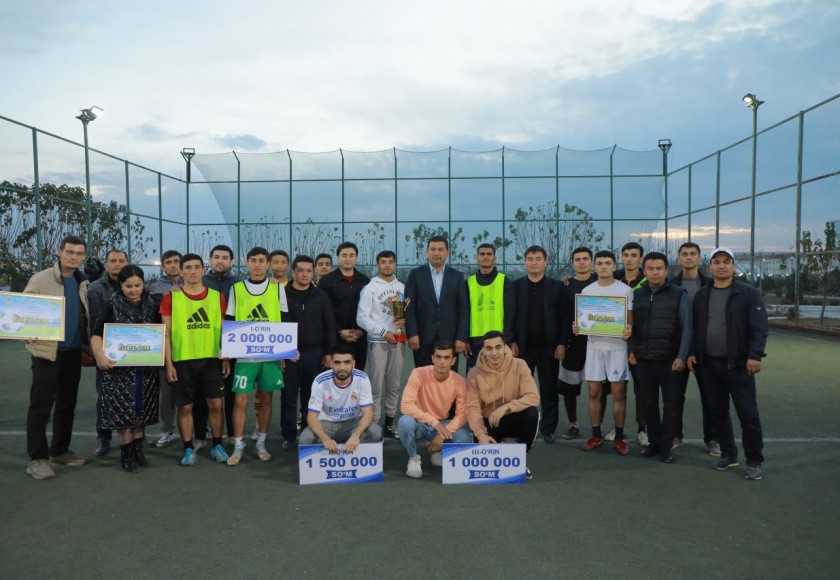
[[134, 345], [317, 465], [259, 340], [601, 315], [488, 463], [31, 316]]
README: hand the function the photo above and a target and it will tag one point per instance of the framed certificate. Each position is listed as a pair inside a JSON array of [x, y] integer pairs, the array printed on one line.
[[259, 340], [134, 345], [31, 316], [600, 315]]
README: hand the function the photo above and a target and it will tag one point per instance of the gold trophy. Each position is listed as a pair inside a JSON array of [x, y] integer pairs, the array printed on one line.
[[398, 305]]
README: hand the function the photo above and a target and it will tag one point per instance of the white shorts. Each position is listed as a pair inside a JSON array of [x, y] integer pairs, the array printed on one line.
[[609, 365]]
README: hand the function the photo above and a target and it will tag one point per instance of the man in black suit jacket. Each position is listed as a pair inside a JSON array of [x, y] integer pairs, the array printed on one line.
[[439, 308], [542, 331]]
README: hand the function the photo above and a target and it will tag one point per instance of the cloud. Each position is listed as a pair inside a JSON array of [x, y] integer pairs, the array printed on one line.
[[242, 142]]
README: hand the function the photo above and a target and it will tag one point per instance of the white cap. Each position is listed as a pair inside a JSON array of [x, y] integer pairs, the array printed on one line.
[[726, 251]]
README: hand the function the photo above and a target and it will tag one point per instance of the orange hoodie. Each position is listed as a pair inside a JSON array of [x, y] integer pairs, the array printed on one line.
[[511, 386]]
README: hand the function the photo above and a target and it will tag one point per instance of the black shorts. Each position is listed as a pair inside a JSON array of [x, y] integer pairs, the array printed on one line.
[[201, 377]]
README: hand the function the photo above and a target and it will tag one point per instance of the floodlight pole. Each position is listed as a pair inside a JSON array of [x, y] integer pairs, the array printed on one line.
[[753, 103], [665, 146], [188, 153], [86, 117]]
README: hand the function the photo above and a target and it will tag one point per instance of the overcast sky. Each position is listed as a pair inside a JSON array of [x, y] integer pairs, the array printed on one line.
[[363, 76]]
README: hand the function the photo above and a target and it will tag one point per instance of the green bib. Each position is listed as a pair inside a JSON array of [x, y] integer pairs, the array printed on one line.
[[196, 326], [264, 307], [487, 305]]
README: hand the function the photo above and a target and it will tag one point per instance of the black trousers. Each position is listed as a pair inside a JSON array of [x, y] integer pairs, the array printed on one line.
[[359, 349], [522, 426], [651, 376], [542, 358], [298, 377], [55, 386], [721, 384]]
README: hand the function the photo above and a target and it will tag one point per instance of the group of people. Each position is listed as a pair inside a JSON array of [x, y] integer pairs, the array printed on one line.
[[345, 382]]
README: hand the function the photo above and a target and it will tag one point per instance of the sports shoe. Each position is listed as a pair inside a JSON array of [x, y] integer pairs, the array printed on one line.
[[436, 459], [642, 438], [593, 443], [289, 445], [263, 453], [219, 454], [610, 436], [256, 434], [190, 457], [528, 475], [725, 463], [548, 437], [678, 442], [621, 447], [390, 432], [714, 448], [753, 472], [165, 439], [198, 445], [40, 469], [68, 458], [415, 469], [236, 456], [102, 448], [572, 432]]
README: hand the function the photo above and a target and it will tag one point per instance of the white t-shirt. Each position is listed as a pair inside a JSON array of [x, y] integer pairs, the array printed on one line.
[[334, 403], [617, 289], [256, 290]]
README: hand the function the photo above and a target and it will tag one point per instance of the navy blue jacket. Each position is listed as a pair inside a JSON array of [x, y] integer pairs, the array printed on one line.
[[746, 324], [427, 318]]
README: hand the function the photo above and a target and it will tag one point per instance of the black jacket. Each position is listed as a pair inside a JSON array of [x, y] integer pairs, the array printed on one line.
[[657, 328], [344, 296], [312, 310], [558, 324], [746, 324], [222, 284]]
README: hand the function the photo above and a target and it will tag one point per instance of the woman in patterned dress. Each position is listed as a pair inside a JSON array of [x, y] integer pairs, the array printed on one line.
[[129, 394]]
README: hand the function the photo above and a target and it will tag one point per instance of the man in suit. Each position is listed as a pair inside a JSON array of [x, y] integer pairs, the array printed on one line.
[[439, 308], [542, 332]]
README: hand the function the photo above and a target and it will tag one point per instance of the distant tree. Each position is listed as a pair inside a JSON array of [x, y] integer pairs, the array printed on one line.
[[820, 261], [63, 212], [414, 244], [558, 232]]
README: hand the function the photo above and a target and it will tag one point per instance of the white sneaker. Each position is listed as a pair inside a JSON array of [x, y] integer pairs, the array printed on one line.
[[236, 456], [414, 468], [610, 436], [198, 445], [256, 434], [714, 448], [437, 459], [642, 438], [165, 440], [263, 453]]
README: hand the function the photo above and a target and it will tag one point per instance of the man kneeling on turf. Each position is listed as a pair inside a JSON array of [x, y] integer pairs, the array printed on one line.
[[502, 397], [341, 407], [426, 401]]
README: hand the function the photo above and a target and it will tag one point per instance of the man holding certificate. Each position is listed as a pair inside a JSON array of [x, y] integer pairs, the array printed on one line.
[[604, 311], [255, 300], [57, 365]]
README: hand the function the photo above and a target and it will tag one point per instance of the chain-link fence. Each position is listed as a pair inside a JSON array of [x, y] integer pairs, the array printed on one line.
[[781, 224]]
